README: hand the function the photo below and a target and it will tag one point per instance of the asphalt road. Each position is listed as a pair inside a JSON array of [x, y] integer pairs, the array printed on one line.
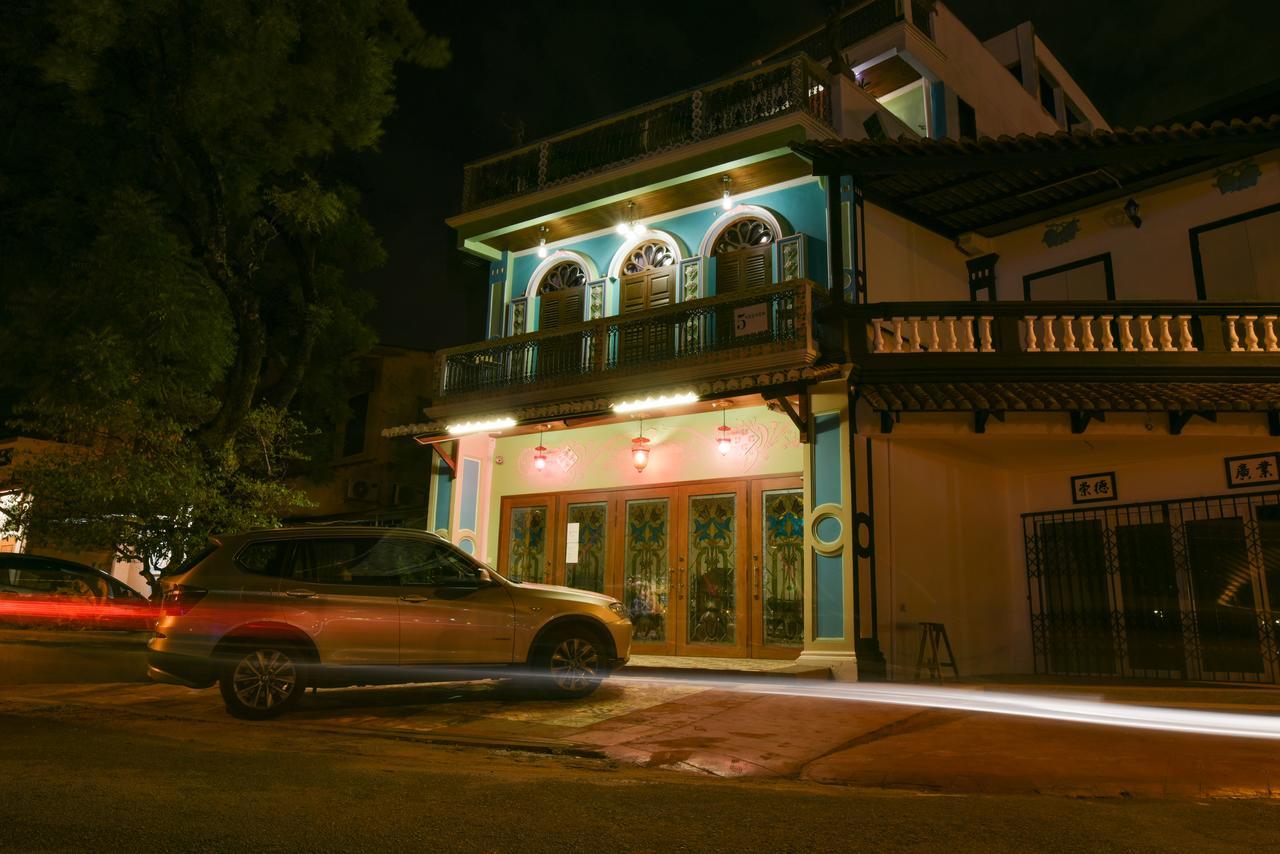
[[73, 778]]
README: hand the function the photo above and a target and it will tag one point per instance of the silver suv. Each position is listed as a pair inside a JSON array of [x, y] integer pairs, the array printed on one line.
[[269, 613]]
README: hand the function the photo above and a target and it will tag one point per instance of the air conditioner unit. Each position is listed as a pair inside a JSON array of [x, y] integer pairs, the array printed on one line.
[[362, 490]]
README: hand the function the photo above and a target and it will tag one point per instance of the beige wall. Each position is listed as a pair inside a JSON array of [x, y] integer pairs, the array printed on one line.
[[948, 519], [683, 449], [908, 262], [944, 554], [1153, 262]]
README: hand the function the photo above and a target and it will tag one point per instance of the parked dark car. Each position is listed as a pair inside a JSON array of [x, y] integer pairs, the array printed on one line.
[[45, 592]]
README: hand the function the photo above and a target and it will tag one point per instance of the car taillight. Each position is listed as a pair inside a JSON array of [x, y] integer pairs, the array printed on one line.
[[181, 598]]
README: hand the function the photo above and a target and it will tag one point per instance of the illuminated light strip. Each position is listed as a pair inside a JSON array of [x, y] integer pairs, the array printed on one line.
[[480, 426], [655, 402]]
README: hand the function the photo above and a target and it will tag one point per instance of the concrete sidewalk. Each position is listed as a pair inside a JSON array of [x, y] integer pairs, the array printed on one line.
[[682, 725]]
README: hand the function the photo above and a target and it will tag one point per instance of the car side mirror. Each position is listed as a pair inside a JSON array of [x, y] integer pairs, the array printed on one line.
[[483, 577]]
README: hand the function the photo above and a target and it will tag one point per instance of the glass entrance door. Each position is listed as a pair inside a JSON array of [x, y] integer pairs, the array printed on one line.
[[710, 573], [777, 567], [647, 574], [524, 545]]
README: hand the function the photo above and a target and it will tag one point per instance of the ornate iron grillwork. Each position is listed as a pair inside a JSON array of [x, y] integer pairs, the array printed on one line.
[[783, 567], [796, 84], [566, 274], [645, 580], [648, 256], [1184, 589], [744, 234], [527, 549], [712, 568], [588, 572]]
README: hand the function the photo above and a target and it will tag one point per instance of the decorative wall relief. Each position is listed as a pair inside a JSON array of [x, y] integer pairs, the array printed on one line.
[[1058, 233], [791, 258], [518, 316], [595, 305], [1239, 176], [691, 277]]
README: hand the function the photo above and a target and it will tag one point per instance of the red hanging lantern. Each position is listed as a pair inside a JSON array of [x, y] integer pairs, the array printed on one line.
[[724, 434], [640, 450], [540, 455]]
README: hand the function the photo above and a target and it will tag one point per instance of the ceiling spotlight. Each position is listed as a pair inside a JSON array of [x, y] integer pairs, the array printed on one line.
[[629, 227]]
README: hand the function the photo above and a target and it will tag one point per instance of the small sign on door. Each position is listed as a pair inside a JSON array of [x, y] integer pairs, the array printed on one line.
[[571, 542], [1087, 488], [751, 319], [1253, 470]]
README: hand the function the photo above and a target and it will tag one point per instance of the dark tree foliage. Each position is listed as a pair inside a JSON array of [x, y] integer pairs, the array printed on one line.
[[177, 308]]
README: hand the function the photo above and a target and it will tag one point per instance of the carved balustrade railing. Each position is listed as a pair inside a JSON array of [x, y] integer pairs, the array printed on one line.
[[793, 85], [1101, 330], [757, 323]]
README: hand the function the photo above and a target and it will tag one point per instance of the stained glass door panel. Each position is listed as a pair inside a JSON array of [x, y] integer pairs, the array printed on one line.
[[646, 565], [781, 562], [585, 563], [525, 543], [712, 583], [712, 571]]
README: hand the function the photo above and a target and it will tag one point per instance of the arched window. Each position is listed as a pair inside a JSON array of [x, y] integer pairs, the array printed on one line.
[[647, 276], [562, 294], [744, 254]]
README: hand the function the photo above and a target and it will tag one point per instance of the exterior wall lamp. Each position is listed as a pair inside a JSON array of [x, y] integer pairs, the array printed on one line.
[[726, 200], [540, 454], [640, 450], [542, 241], [1131, 211]]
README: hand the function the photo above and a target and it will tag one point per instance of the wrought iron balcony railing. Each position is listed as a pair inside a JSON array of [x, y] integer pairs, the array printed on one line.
[[758, 328], [794, 85], [1085, 334]]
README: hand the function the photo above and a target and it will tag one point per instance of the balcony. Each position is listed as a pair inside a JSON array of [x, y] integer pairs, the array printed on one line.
[[763, 329], [1097, 340], [792, 86]]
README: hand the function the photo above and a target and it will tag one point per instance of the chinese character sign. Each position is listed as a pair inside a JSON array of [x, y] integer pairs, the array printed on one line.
[[1086, 488], [1253, 470]]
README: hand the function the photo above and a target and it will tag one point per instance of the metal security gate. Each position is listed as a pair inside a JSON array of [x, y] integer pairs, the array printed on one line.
[[1186, 589]]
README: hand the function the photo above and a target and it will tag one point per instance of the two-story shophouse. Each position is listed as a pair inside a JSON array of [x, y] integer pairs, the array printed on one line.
[[888, 329]]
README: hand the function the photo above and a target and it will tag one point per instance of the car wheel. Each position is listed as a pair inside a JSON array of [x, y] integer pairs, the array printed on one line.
[[260, 681], [570, 664]]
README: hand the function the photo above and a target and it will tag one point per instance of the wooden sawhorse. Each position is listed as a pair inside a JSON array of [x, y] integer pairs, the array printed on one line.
[[931, 635]]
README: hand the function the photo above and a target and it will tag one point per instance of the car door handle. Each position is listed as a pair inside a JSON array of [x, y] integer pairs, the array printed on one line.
[[301, 594], [413, 597]]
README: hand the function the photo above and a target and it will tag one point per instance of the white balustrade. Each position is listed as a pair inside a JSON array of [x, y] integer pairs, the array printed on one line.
[[1070, 333]]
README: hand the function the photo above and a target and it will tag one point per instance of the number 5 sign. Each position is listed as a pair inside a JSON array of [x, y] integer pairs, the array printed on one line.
[[751, 319]]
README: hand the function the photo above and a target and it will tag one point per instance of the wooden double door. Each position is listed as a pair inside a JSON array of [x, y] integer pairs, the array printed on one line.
[[712, 568]]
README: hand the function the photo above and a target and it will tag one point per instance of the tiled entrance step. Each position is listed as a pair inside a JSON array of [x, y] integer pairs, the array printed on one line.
[[700, 667]]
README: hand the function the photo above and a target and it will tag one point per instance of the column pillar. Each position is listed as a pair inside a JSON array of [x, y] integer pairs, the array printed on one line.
[[830, 545]]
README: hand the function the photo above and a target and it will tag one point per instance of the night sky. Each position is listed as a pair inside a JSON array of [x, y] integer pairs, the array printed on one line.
[[549, 66]]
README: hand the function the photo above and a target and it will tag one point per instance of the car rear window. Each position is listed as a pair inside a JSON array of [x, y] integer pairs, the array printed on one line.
[[263, 558]]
